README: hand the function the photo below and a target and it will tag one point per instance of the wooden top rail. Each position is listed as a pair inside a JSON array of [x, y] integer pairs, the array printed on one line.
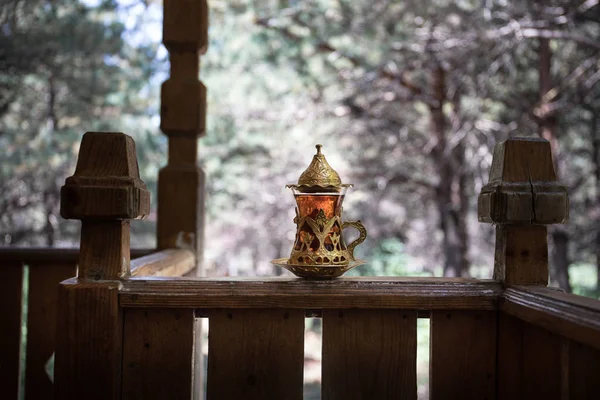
[[174, 262], [572, 316], [374, 293], [49, 255]]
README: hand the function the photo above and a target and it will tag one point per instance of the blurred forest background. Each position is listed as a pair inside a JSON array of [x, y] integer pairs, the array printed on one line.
[[408, 98]]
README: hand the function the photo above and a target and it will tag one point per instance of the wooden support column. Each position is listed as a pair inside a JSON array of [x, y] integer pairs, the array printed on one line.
[[11, 296], [183, 120], [104, 193], [521, 198], [181, 184]]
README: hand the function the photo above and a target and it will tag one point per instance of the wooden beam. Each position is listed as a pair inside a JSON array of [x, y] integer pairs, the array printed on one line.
[[574, 317], [174, 262], [47, 257], [408, 293]]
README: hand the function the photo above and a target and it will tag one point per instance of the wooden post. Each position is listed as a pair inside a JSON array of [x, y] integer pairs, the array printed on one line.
[[104, 193], [521, 198], [183, 120]]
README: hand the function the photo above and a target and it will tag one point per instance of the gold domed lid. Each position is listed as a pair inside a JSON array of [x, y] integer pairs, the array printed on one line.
[[319, 176]]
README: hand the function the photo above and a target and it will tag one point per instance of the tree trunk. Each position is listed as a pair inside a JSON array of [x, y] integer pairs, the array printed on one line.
[[50, 199], [50, 202], [560, 238], [449, 190], [548, 130], [463, 211], [596, 163]]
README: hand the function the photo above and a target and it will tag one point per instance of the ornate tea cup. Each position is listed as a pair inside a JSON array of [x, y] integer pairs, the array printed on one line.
[[319, 239], [319, 250]]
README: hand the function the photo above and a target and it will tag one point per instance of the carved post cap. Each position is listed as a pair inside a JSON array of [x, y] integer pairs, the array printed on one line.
[[106, 184], [523, 188], [184, 25]]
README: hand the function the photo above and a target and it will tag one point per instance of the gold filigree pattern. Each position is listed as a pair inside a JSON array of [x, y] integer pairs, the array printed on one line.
[[317, 271], [319, 175], [319, 241], [321, 219]]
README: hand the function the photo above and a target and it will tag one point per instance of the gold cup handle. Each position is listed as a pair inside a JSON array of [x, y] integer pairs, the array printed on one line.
[[363, 235]]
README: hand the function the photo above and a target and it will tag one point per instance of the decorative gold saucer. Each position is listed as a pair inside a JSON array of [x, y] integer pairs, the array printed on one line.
[[317, 271]]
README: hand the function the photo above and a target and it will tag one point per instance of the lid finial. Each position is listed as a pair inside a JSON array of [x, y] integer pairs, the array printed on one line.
[[319, 176]]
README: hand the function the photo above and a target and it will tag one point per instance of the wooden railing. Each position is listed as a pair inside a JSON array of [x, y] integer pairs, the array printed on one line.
[[26, 346], [256, 343], [548, 345], [124, 336], [46, 269]]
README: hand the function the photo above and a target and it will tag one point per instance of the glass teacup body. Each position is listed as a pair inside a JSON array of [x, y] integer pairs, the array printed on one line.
[[319, 239]]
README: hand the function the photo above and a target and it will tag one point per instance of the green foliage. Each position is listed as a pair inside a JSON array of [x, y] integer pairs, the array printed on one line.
[[357, 76], [584, 280], [388, 258], [65, 68]]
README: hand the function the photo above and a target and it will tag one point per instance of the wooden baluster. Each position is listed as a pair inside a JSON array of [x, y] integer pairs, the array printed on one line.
[[584, 364], [183, 120], [104, 193], [522, 197], [255, 354], [463, 354], [158, 348], [181, 184], [42, 314], [11, 276], [369, 354]]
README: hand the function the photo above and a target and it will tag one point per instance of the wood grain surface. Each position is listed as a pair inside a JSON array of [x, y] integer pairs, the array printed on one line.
[[521, 255], [541, 365], [463, 355], [574, 317], [402, 293], [158, 354], [369, 354], [584, 372], [510, 357], [255, 355], [42, 315], [11, 276], [174, 262], [89, 341]]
